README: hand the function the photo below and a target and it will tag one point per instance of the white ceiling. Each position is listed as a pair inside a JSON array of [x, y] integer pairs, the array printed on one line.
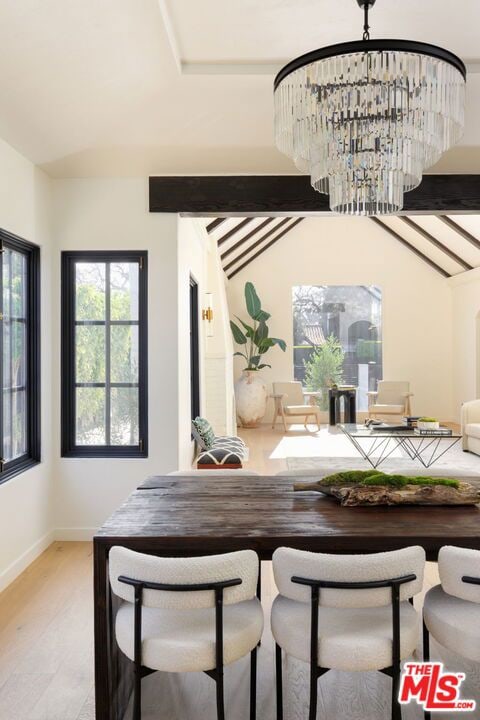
[[128, 87]]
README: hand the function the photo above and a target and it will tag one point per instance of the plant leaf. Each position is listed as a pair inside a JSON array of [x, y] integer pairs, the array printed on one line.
[[281, 343], [255, 359], [248, 330], [261, 333], [238, 335], [263, 365], [263, 315], [265, 345], [240, 354], [252, 301]]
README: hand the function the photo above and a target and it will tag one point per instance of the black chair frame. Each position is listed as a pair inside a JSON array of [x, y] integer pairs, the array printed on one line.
[[426, 635], [315, 670], [217, 673]]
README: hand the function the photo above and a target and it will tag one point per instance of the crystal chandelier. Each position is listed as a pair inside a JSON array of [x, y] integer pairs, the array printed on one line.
[[365, 118]]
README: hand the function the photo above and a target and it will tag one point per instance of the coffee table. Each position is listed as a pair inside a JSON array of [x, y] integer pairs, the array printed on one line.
[[376, 446]]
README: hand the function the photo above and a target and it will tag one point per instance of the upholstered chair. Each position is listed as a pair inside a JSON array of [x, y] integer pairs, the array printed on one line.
[[451, 610], [292, 400], [187, 615], [346, 612], [471, 426], [392, 397]]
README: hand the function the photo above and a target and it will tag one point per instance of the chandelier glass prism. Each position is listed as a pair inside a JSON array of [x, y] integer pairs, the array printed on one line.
[[366, 118]]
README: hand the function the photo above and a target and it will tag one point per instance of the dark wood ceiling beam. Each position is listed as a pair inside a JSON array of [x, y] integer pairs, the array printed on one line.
[[460, 230], [244, 195], [256, 244], [412, 248], [436, 243], [234, 230], [265, 247], [214, 224], [247, 237]]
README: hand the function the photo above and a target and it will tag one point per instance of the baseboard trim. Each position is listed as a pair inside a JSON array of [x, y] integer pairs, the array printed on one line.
[[20, 564], [74, 534]]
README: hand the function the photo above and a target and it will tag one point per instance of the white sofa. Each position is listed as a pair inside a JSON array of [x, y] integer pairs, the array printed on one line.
[[471, 426]]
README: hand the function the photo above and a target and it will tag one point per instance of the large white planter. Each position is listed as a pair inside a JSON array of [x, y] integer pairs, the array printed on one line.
[[250, 398]]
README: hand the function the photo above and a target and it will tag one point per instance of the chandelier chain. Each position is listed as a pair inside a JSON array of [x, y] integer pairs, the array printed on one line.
[[366, 26]]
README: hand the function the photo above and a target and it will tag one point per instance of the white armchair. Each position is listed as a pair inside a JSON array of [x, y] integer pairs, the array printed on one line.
[[471, 426], [391, 398], [291, 399]]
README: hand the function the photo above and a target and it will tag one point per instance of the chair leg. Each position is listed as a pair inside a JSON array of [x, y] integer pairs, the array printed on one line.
[[426, 658], [137, 693], [279, 683], [284, 421], [220, 698], [253, 684], [313, 693], [396, 707]]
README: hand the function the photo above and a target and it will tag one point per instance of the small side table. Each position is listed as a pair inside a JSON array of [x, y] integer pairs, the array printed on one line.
[[349, 405]]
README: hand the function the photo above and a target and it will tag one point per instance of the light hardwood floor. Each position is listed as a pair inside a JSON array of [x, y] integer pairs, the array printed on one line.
[[46, 646]]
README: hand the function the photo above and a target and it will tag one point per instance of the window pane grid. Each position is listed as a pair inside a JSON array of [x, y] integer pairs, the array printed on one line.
[[108, 369], [14, 357], [19, 355]]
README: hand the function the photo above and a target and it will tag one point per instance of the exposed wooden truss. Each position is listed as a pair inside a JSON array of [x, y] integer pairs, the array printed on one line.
[[460, 230], [454, 250], [214, 224], [436, 243], [256, 243], [253, 195], [411, 247], [246, 238], [266, 247], [234, 230]]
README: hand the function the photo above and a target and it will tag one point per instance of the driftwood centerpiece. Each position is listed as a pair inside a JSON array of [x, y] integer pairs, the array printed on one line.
[[371, 487]]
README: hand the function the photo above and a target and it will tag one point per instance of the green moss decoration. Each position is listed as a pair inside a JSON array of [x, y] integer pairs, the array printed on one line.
[[375, 477], [349, 477]]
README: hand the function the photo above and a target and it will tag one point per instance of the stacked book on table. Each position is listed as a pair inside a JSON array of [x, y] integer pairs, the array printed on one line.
[[411, 423], [439, 431]]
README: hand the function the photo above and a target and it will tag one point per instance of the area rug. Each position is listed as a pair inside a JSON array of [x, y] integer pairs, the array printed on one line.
[[467, 464]]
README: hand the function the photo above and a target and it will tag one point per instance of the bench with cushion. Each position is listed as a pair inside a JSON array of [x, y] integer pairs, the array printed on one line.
[[217, 452]]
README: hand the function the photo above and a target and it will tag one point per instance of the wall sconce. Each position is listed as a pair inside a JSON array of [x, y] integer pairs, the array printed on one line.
[[207, 313]]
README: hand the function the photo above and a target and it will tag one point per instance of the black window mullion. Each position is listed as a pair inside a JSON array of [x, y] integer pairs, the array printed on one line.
[[10, 349], [108, 313], [2, 401]]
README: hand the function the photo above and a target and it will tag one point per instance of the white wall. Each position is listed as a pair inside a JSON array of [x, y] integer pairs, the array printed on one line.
[[25, 511], [466, 337], [219, 397], [192, 261], [113, 214], [417, 306]]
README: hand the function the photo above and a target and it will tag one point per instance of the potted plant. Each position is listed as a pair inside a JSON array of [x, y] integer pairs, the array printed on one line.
[[250, 389], [428, 423]]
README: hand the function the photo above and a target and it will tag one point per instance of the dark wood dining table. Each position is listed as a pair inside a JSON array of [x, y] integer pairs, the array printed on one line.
[[181, 516]]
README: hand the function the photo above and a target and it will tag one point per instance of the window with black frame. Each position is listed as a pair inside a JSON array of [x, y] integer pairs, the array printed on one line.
[[19, 355], [104, 354]]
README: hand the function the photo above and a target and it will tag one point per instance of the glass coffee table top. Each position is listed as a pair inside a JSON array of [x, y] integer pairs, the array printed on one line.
[[376, 446], [368, 432]]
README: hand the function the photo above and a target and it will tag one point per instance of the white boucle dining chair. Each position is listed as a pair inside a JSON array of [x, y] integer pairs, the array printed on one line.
[[346, 612], [451, 610], [187, 615]]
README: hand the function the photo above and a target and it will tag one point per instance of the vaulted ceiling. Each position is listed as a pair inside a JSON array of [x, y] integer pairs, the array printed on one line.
[[138, 87], [450, 245]]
